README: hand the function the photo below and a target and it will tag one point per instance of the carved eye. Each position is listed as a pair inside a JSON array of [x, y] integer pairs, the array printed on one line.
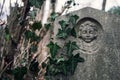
[[91, 32], [84, 32]]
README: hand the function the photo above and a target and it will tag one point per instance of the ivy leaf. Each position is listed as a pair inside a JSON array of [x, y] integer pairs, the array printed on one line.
[[59, 60], [36, 3], [53, 1], [64, 68], [74, 4], [61, 34], [32, 36], [56, 66], [53, 48], [63, 24], [23, 61], [52, 60], [52, 68], [35, 38], [7, 37], [4, 78], [36, 25], [44, 65], [68, 31], [78, 58], [21, 22], [6, 30], [7, 34], [73, 61], [28, 34], [53, 16], [64, 31], [48, 26], [69, 2], [73, 19], [71, 46], [32, 14], [34, 66], [19, 73], [73, 33], [33, 48]]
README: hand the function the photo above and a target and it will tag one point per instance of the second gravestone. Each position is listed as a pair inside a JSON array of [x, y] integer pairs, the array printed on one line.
[[98, 38]]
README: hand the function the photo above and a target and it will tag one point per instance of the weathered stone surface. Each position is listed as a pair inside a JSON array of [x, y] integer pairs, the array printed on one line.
[[99, 45]]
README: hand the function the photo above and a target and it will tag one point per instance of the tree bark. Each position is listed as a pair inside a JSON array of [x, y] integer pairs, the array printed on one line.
[[104, 5], [2, 7]]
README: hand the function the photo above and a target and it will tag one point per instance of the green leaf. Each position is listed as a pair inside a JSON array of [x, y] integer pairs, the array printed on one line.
[[71, 46], [52, 60], [53, 16], [44, 65], [73, 19], [73, 33], [68, 31], [69, 2], [64, 68], [5, 78], [34, 66], [74, 4], [35, 38], [78, 58], [59, 60], [7, 37], [28, 34], [7, 30], [32, 14], [32, 36], [50, 70], [56, 66], [61, 34], [33, 48], [36, 3], [53, 1], [73, 61], [63, 24], [36, 25], [65, 30], [19, 73], [7, 34], [23, 62], [115, 10], [53, 48], [21, 22], [48, 26]]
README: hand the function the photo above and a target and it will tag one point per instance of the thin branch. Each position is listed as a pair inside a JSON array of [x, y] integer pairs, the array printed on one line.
[[5, 68], [2, 7], [104, 5], [65, 8]]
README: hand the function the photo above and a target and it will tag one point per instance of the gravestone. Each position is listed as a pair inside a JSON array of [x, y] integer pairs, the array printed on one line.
[[98, 37]]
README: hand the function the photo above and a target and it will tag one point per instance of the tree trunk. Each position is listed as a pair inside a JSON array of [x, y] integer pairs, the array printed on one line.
[[104, 5]]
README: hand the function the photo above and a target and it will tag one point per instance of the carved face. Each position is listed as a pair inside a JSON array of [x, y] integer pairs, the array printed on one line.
[[88, 31]]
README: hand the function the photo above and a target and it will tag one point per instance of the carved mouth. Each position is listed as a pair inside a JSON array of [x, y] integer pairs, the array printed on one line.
[[88, 40]]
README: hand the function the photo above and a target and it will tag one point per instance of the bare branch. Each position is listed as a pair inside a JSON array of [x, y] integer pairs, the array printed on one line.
[[104, 4], [2, 7]]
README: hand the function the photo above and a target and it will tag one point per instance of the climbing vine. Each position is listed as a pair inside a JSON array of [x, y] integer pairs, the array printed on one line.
[[66, 62], [58, 63]]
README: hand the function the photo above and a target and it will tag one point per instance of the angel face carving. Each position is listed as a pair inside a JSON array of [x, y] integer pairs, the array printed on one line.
[[88, 31]]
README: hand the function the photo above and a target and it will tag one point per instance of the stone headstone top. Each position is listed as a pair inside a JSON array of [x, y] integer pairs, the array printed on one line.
[[98, 37]]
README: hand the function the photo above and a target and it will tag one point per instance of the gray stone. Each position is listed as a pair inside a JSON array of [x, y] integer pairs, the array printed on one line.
[[98, 37]]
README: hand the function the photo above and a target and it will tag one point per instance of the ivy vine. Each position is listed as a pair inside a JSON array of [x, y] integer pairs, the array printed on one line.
[[65, 29], [67, 63]]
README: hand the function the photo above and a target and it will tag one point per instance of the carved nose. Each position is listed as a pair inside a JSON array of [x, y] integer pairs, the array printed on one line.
[[87, 35]]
